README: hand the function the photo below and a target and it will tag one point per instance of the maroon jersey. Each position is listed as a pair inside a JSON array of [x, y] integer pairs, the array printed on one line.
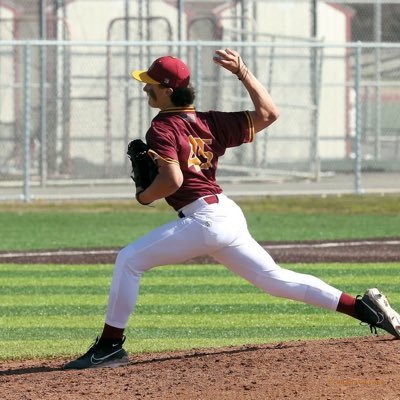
[[195, 140]]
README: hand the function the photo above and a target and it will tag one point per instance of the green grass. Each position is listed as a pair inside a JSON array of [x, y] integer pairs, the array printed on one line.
[[52, 230], [56, 310], [113, 224]]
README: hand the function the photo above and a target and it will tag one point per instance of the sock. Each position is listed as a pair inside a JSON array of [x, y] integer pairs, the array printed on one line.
[[347, 305], [111, 333]]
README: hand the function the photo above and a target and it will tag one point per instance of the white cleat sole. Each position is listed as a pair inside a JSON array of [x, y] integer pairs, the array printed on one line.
[[390, 316]]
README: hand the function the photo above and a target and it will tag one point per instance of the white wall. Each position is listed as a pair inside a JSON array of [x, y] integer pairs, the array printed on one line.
[[89, 20], [6, 67], [334, 95], [291, 75]]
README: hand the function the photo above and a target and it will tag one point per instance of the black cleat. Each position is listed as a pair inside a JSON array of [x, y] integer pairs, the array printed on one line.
[[101, 355], [374, 309]]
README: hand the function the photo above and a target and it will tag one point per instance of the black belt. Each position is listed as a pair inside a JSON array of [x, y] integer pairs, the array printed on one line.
[[212, 199]]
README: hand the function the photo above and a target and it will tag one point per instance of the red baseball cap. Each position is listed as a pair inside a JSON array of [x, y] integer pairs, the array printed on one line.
[[168, 71]]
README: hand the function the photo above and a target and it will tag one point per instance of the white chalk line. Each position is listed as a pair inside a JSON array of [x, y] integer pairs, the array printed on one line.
[[271, 246], [333, 244], [57, 252]]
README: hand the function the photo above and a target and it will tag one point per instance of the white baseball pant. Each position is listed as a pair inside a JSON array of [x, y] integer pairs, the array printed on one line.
[[219, 230]]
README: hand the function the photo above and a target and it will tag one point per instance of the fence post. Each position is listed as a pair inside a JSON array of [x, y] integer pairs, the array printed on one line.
[[357, 138], [198, 76], [316, 72], [43, 95], [27, 121], [378, 78]]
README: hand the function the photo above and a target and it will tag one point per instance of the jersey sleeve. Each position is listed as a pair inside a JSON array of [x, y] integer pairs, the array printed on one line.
[[233, 128], [162, 143]]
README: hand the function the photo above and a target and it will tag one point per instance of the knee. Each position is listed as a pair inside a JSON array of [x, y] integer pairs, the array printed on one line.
[[128, 259]]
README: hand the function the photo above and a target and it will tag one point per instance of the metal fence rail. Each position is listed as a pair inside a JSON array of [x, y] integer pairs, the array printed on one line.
[[68, 108]]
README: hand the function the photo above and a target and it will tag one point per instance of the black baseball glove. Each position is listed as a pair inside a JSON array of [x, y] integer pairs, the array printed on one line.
[[144, 170]]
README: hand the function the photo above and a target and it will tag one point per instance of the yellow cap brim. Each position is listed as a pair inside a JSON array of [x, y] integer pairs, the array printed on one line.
[[143, 76]]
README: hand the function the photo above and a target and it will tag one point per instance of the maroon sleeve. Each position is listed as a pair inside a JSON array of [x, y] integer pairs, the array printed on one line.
[[233, 128], [162, 141]]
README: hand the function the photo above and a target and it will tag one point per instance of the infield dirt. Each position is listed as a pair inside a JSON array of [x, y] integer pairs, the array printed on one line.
[[349, 368]]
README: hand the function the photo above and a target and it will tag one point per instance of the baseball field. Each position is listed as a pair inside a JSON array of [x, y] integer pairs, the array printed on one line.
[[199, 332]]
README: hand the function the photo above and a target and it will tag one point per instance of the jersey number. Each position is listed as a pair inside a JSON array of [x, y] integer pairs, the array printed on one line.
[[198, 158]]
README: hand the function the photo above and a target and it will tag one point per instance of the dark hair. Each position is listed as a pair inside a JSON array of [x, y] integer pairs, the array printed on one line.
[[183, 97]]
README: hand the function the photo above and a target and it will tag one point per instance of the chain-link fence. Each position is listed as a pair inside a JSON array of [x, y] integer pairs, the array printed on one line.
[[68, 107]]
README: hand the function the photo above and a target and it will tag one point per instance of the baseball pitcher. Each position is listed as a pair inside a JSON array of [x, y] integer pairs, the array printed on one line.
[[178, 163]]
